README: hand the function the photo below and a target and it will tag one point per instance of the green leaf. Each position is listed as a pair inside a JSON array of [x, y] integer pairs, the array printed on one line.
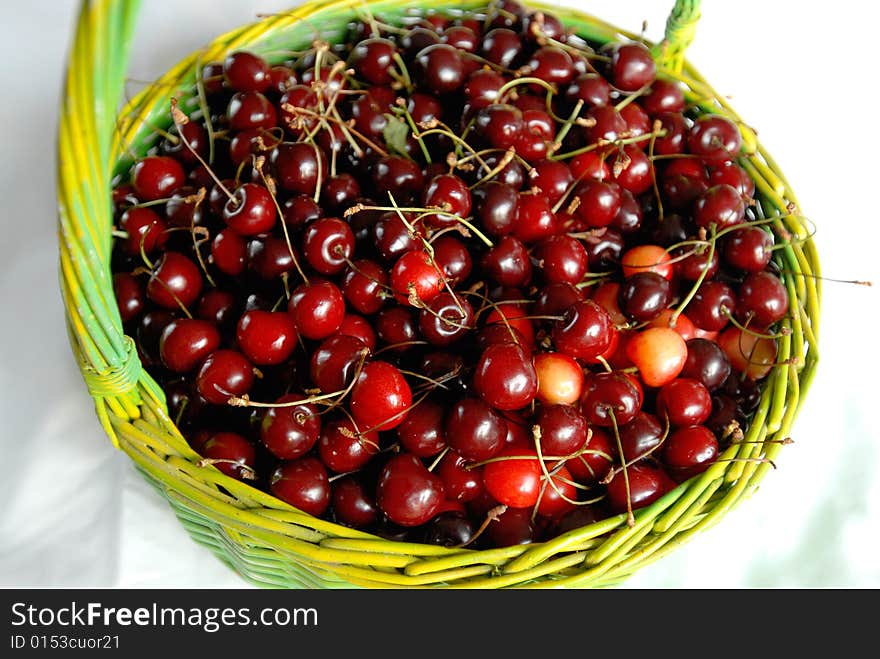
[[396, 133]]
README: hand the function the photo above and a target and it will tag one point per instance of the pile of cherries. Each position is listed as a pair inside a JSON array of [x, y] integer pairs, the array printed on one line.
[[467, 280]]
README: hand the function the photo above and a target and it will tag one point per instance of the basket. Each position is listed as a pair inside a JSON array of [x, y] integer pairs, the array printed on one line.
[[268, 542]]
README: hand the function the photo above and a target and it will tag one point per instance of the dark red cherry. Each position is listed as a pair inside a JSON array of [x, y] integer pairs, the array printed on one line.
[[641, 486], [251, 110], [685, 402], [246, 72], [711, 306], [502, 46], [714, 138], [460, 483], [689, 451], [365, 286], [508, 262], [271, 257], [398, 176], [535, 218], [632, 66], [129, 294], [393, 237], [500, 125], [407, 492], [185, 342], [482, 86], [563, 430], [563, 259], [440, 68], [474, 430], [229, 252], [664, 96], [373, 60], [644, 295], [302, 483], [451, 195], [496, 204], [397, 326], [596, 459], [335, 362], [610, 398], [175, 281], [721, 205], [591, 88], [552, 65], [421, 432], [290, 431], [706, 363], [584, 332], [505, 377], [343, 447], [673, 140], [156, 177], [251, 211], [353, 505], [299, 167], [328, 244], [146, 231], [318, 308], [453, 258], [450, 528], [762, 299], [230, 453], [732, 174], [598, 202], [748, 249], [446, 319], [641, 435], [266, 337], [223, 375]]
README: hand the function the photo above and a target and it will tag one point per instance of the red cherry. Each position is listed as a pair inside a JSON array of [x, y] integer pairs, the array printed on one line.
[[714, 138], [251, 210], [559, 494], [318, 308], [415, 274], [659, 353], [185, 342], [266, 337], [584, 332], [223, 375], [146, 231], [156, 177], [505, 377], [475, 430], [342, 448], [174, 282], [407, 492], [514, 478], [689, 451], [352, 504], [421, 432], [460, 482], [290, 431], [646, 485], [596, 460], [230, 453], [610, 398], [380, 397], [302, 483]]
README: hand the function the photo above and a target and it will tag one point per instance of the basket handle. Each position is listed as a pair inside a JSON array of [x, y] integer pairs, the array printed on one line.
[[681, 28], [94, 83]]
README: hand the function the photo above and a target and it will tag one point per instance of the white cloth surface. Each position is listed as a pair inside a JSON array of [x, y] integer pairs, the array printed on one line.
[[74, 512]]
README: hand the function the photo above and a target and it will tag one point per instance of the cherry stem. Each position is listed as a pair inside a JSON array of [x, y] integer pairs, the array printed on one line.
[[180, 119]]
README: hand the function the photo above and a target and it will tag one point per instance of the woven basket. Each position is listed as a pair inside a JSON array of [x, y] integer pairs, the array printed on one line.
[[268, 542]]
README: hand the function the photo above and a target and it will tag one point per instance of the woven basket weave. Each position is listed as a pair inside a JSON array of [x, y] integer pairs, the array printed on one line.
[[264, 539]]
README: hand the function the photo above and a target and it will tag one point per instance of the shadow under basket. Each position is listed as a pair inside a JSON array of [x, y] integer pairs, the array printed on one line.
[[267, 541]]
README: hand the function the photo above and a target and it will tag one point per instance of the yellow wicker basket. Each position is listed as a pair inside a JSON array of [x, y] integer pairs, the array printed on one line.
[[264, 539]]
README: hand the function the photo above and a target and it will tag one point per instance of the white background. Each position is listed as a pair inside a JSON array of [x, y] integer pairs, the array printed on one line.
[[73, 512]]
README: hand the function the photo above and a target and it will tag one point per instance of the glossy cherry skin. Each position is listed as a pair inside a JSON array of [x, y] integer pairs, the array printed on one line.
[[644, 295], [534, 218], [495, 205], [266, 337], [584, 332], [156, 177], [185, 342], [380, 397], [415, 278], [720, 206], [632, 67], [508, 262], [230, 453], [229, 252], [353, 505], [251, 211], [446, 319], [244, 71], [762, 299], [475, 430], [146, 231], [364, 286], [453, 258], [373, 59], [224, 374], [609, 399], [299, 166], [327, 245], [505, 377], [685, 402], [514, 479], [659, 353], [748, 249], [562, 259], [290, 431], [563, 430], [129, 294], [641, 436], [712, 305], [714, 138], [421, 432], [251, 111], [664, 96], [335, 361], [647, 258], [707, 363], [749, 354], [560, 378], [407, 492], [461, 483], [450, 194], [441, 68], [343, 449], [318, 309], [646, 485], [689, 451], [558, 493], [174, 281], [302, 483], [596, 458]]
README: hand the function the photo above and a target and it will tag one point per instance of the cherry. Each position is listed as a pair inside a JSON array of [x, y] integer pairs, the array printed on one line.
[[553, 299], [250, 111], [421, 432], [647, 258], [664, 96], [607, 124], [684, 402], [299, 167], [449, 529], [762, 299], [712, 305], [246, 72], [318, 308], [446, 319], [598, 202], [505, 377], [584, 332], [451, 195], [644, 295], [453, 258], [673, 140], [563, 430], [343, 448], [500, 125], [399, 177], [290, 431], [328, 244], [251, 210], [560, 378], [552, 177], [407, 492], [481, 88], [629, 217], [514, 478], [397, 326], [230, 453], [224, 374], [186, 342], [266, 337], [508, 262], [646, 485], [502, 46], [460, 482], [641, 436], [156, 177], [591, 88], [474, 430], [461, 37], [558, 495], [632, 66], [748, 249], [146, 231], [562, 259], [607, 296], [129, 296], [302, 483], [336, 360], [707, 363], [364, 286], [659, 353], [380, 397], [751, 355], [551, 64], [352, 504], [515, 526], [373, 60], [393, 237], [175, 281], [271, 257], [595, 460], [604, 249], [689, 451], [440, 68], [732, 174], [415, 278], [610, 398], [714, 138], [690, 263], [721, 205]]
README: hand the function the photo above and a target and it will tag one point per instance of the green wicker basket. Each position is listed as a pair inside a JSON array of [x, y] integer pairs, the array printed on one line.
[[268, 542]]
